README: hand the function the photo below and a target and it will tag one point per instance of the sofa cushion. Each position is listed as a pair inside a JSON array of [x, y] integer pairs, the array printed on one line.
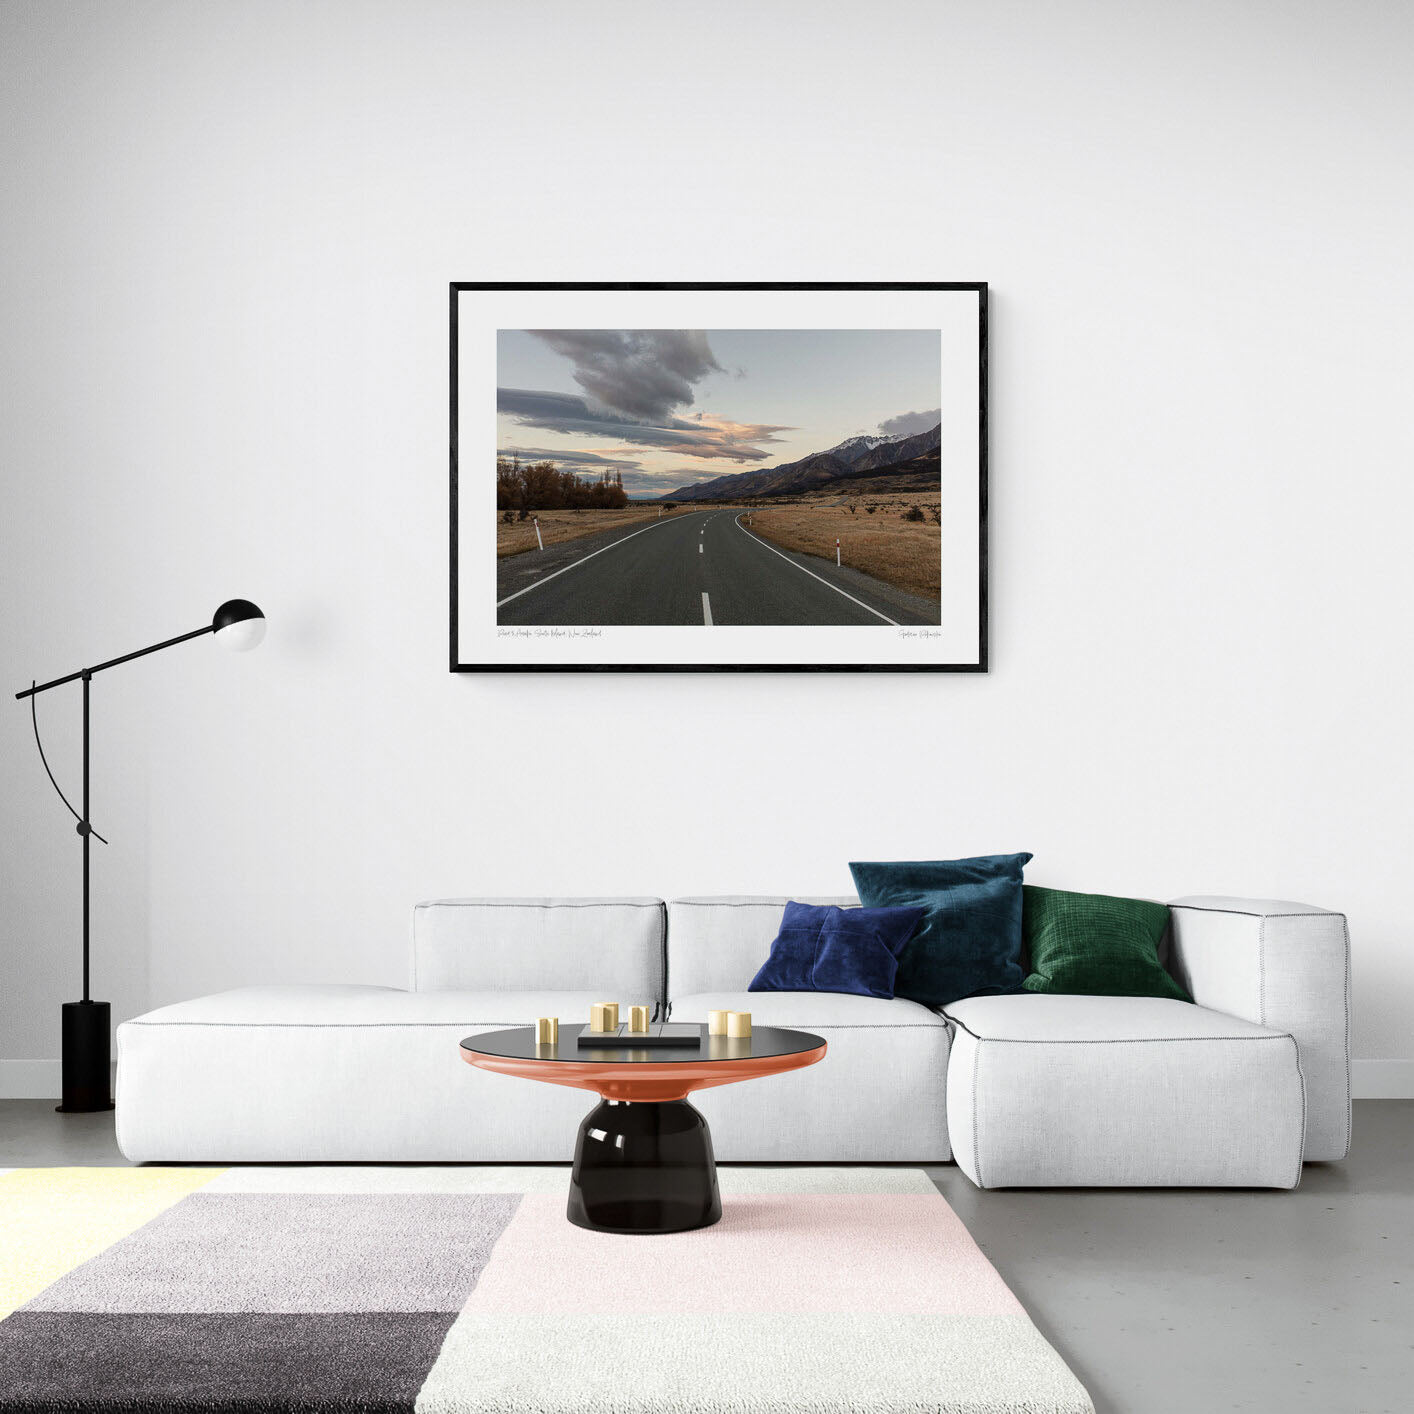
[[1051, 1091], [613, 946], [821, 948], [808, 1009], [1095, 945], [970, 941], [1026, 1016], [879, 1095], [333, 1005], [719, 943]]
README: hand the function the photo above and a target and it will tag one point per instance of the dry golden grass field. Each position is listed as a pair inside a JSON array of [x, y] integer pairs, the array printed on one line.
[[558, 526], [873, 535]]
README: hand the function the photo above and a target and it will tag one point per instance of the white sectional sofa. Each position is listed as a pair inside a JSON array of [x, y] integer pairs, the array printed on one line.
[[1026, 1090]]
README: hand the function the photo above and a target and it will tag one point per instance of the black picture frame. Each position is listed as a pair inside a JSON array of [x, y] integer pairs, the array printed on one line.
[[980, 288]]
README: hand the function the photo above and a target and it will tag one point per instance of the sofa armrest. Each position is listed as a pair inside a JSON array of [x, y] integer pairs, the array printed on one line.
[[1283, 965]]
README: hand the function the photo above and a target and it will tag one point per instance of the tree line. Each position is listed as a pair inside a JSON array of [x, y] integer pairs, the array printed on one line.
[[540, 486]]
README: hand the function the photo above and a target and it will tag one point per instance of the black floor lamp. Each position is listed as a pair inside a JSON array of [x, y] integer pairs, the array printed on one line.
[[237, 624]]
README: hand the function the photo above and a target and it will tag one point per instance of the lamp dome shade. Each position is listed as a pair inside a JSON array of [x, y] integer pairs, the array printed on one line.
[[238, 625]]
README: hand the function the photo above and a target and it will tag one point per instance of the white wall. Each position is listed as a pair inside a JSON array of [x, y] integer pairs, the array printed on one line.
[[228, 233]]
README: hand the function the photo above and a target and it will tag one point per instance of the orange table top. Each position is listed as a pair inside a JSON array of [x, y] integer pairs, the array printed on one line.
[[643, 1074]]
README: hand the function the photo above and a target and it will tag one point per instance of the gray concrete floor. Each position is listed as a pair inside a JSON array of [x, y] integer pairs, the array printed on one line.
[[1163, 1301]]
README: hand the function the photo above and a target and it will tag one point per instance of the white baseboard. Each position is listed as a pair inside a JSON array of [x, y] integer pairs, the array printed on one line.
[[33, 1079], [29, 1080], [1382, 1079], [1369, 1079]]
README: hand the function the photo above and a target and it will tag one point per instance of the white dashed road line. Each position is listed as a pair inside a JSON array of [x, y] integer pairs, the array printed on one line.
[[706, 610]]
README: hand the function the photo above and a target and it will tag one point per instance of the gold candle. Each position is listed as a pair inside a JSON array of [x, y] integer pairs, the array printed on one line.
[[638, 1018], [717, 1023], [547, 1031], [739, 1024]]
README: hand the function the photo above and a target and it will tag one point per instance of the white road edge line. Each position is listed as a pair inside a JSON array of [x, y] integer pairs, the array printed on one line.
[[813, 575], [574, 564], [706, 610]]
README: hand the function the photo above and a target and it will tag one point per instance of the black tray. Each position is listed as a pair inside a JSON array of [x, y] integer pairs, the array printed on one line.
[[660, 1033]]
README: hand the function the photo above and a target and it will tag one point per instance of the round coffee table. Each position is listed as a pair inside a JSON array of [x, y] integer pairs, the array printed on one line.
[[643, 1161]]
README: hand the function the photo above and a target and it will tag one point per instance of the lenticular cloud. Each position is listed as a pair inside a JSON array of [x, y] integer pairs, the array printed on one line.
[[642, 373]]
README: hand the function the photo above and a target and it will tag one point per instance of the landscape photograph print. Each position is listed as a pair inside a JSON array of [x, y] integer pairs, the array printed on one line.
[[690, 496]]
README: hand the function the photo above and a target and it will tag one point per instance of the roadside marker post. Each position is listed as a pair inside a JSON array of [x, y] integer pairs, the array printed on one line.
[[837, 552], [538, 540]]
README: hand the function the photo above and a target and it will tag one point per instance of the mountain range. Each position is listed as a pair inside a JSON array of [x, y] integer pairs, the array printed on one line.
[[853, 458]]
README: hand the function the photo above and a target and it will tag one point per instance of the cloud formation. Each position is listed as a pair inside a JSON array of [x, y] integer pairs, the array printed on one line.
[[702, 435], [646, 374], [570, 460], [645, 483], [908, 424]]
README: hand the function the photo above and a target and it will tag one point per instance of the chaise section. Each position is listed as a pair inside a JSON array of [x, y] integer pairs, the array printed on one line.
[[340, 1074], [879, 1094], [1061, 1091], [337, 1074], [1283, 965]]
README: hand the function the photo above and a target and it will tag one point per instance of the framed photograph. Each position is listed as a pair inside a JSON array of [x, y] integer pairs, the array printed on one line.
[[714, 477]]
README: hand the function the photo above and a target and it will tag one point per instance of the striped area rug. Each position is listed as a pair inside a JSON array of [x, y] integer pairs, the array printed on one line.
[[465, 1291]]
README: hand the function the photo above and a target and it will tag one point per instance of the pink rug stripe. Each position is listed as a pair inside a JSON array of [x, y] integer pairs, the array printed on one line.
[[898, 1254]]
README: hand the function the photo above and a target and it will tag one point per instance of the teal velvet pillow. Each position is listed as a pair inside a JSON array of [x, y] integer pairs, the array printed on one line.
[[969, 942], [1095, 945]]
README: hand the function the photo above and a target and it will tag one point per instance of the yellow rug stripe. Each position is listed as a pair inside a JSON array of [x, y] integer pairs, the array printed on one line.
[[51, 1220]]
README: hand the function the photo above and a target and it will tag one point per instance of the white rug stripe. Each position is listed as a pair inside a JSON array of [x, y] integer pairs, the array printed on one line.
[[732, 1364], [510, 1178]]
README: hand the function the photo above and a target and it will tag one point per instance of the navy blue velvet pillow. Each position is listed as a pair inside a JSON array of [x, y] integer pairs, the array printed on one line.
[[821, 948], [969, 943]]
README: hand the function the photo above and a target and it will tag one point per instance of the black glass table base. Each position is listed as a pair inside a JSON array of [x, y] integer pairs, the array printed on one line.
[[644, 1167]]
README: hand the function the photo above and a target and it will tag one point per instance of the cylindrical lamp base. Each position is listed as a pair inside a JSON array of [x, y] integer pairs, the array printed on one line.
[[88, 1057]]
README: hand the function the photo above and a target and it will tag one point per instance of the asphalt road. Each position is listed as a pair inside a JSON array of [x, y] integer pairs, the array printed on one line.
[[703, 568]]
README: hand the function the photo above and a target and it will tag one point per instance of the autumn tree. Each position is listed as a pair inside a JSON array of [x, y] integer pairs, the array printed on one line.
[[540, 486]]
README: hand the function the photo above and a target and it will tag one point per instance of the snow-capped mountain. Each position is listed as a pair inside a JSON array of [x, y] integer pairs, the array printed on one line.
[[852, 448], [853, 457]]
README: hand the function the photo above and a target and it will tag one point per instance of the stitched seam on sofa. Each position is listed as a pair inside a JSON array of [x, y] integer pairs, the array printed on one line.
[[1107, 1040], [477, 903], [941, 1082], [1248, 913], [823, 1025], [976, 1137], [345, 1025], [764, 903], [1262, 971], [662, 998], [1301, 1080], [328, 1025], [1345, 933]]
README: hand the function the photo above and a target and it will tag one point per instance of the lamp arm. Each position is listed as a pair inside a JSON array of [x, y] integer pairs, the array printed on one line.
[[34, 720], [33, 691], [113, 662]]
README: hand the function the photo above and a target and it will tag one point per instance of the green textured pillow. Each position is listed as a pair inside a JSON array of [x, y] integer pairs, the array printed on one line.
[[1094, 945]]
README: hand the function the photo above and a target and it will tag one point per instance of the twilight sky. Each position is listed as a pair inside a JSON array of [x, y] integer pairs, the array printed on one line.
[[672, 406]]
